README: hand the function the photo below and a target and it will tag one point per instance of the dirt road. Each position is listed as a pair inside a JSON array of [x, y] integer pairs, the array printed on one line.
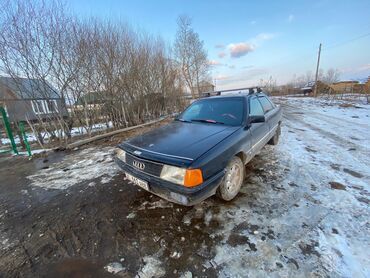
[[304, 210]]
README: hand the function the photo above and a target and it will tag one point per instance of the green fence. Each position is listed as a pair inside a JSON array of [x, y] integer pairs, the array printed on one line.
[[9, 133]]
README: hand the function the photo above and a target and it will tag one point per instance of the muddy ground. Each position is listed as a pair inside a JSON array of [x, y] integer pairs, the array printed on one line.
[[303, 211]]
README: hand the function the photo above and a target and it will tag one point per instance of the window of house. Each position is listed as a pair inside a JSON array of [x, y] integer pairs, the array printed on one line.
[[38, 106], [44, 106], [52, 106]]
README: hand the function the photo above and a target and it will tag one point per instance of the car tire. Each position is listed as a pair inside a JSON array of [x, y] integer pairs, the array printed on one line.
[[233, 179], [275, 139]]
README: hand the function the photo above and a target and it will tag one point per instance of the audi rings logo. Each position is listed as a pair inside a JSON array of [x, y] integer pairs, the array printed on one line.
[[138, 165]]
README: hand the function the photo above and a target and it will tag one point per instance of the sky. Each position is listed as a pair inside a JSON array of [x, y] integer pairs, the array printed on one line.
[[248, 41]]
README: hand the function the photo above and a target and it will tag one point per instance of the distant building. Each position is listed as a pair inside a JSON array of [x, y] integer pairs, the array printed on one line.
[[204, 86], [348, 87], [30, 99], [367, 85]]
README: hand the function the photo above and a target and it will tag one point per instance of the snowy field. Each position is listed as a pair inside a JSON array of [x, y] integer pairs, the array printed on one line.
[[302, 212]]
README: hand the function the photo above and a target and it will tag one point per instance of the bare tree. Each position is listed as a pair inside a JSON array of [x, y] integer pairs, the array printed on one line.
[[331, 76], [191, 55], [106, 72]]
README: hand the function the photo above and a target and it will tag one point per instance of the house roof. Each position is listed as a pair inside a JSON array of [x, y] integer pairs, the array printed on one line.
[[346, 82], [28, 88]]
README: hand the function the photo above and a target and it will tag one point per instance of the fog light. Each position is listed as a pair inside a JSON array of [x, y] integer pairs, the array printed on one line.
[[179, 198]]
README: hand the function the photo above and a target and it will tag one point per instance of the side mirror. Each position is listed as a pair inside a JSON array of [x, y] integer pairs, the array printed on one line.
[[256, 119]]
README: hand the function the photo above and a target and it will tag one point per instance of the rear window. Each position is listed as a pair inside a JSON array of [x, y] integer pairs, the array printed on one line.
[[266, 104], [228, 111]]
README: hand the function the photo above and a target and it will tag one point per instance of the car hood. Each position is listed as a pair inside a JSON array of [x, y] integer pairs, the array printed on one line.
[[179, 140]]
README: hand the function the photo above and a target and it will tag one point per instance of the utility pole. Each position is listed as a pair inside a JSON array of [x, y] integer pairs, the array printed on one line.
[[317, 71]]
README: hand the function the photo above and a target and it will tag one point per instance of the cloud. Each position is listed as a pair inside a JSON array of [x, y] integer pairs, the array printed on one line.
[[240, 49], [290, 18], [214, 63], [221, 54], [221, 46], [253, 22], [265, 36]]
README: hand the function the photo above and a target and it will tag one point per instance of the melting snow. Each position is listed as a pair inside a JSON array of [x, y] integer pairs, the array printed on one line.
[[304, 227], [114, 267], [87, 164], [152, 268]]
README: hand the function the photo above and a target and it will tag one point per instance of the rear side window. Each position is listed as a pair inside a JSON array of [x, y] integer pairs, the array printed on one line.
[[266, 104], [255, 108]]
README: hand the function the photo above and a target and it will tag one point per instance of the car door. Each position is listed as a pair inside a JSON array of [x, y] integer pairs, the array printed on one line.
[[270, 112], [258, 130]]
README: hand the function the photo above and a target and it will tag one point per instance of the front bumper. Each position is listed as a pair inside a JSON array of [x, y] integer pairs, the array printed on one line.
[[173, 192]]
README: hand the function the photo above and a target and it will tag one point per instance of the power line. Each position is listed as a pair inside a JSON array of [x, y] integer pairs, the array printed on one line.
[[347, 41]]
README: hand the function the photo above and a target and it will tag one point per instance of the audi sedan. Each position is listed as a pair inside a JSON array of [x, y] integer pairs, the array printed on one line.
[[204, 150]]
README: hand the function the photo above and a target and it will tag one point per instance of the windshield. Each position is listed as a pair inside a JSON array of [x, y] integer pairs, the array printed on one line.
[[228, 111]]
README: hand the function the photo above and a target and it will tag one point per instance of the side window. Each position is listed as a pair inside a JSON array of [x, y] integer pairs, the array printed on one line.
[[266, 104], [255, 108], [38, 106]]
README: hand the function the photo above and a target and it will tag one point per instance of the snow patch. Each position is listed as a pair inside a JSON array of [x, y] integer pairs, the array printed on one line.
[[82, 166], [131, 215], [114, 267], [161, 203], [152, 268]]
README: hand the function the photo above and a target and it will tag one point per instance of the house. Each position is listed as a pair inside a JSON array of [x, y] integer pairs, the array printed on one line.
[[348, 87], [30, 99], [204, 86], [367, 85], [91, 100]]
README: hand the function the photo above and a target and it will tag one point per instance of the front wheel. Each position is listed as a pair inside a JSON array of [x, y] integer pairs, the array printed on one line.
[[275, 140], [233, 179]]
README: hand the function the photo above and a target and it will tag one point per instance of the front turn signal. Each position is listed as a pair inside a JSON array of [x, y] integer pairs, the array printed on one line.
[[193, 177]]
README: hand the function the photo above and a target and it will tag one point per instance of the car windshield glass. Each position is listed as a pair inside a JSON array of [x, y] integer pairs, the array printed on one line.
[[228, 111]]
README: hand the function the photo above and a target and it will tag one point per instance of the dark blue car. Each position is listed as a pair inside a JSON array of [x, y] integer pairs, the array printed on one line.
[[204, 150]]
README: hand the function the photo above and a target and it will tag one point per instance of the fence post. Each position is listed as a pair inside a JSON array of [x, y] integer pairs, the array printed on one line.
[[8, 129], [24, 135]]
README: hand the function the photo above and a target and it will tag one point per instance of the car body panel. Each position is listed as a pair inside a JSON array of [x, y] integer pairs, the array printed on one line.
[[178, 142]]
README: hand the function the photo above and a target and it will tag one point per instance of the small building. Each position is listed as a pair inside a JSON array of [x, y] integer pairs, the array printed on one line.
[[91, 100], [30, 99], [204, 86], [348, 87], [367, 85]]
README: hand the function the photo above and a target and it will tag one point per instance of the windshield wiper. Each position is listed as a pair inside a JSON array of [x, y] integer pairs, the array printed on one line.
[[207, 121], [182, 120]]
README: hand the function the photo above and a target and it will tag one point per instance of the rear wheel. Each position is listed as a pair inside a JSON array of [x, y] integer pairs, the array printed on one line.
[[233, 179], [275, 140]]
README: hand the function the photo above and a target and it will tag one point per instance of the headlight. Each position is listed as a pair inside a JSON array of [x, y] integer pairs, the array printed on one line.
[[121, 154], [173, 174], [186, 177]]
